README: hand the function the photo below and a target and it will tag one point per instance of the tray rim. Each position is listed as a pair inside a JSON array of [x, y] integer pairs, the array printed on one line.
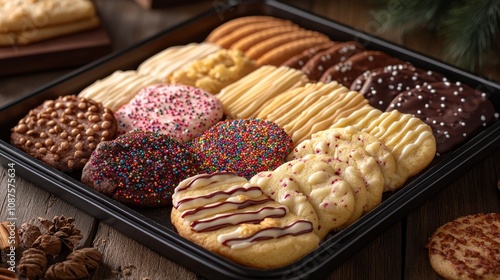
[[488, 139]]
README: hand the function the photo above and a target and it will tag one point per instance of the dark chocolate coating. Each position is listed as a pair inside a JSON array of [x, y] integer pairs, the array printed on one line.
[[454, 111], [299, 60], [323, 60], [381, 85], [346, 72]]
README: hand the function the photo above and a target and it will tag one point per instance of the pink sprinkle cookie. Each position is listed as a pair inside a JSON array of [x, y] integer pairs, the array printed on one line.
[[179, 111]]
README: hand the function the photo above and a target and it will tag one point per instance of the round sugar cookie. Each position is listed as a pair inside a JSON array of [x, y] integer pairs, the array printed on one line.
[[372, 145], [139, 169], [242, 146], [63, 132], [329, 194], [178, 111], [353, 155], [454, 111], [467, 248]]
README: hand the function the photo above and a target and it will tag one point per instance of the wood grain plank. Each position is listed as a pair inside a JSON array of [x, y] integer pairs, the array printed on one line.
[[126, 259], [33, 202], [474, 192]]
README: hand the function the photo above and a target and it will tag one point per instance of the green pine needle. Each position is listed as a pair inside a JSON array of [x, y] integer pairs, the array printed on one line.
[[469, 30]]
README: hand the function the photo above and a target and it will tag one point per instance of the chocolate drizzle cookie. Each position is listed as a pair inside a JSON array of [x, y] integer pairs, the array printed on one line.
[[454, 111], [64, 132]]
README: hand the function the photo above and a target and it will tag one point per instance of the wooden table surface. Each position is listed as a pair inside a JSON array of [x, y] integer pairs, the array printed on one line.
[[398, 253]]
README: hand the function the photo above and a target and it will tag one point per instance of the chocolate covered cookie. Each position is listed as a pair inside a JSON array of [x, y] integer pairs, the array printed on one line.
[[139, 168], [299, 60], [64, 132], [454, 111], [319, 63], [381, 85], [346, 72]]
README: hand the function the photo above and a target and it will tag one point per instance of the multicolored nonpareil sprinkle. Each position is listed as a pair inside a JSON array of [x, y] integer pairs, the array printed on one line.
[[178, 111], [139, 168], [242, 146]]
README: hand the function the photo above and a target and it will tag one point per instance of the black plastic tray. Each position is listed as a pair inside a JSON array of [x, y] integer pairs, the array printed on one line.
[[152, 227]]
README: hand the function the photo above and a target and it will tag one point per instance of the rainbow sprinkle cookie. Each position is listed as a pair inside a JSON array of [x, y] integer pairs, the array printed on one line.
[[242, 146], [139, 168], [178, 111]]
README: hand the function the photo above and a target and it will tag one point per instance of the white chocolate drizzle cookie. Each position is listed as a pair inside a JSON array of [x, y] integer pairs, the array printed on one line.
[[226, 214]]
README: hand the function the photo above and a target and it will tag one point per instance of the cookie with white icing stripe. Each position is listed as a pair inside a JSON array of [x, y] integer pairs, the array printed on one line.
[[351, 154], [246, 97], [371, 144], [225, 214], [409, 139]]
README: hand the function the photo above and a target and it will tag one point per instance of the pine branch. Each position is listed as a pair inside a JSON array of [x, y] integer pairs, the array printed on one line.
[[469, 30], [407, 15]]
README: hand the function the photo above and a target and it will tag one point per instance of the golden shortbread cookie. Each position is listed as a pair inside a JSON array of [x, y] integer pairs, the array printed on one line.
[[253, 39], [467, 248], [244, 31], [226, 214], [263, 47], [234, 24], [214, 71], [284, 52], [118, 88]]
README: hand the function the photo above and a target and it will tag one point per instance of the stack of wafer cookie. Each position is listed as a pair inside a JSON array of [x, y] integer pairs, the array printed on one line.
[[28, 21]]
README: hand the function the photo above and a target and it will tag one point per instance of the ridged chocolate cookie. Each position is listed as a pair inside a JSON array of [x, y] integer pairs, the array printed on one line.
[[64, 132]]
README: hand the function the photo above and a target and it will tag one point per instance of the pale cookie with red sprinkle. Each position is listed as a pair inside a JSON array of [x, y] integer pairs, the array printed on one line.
[[227, 215], [371, 144], [63, 132], [467, 248], [351, 154], [328, 193]]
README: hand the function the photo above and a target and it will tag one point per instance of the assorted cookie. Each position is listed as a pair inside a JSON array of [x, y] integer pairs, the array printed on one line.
[[118, 88], [467, 247], [246, 97], [139, 169], [264, 138], [63, 132], [227, 215], [178, 111], [164, 63], [454, 111], [242, 146], [214, 71]]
